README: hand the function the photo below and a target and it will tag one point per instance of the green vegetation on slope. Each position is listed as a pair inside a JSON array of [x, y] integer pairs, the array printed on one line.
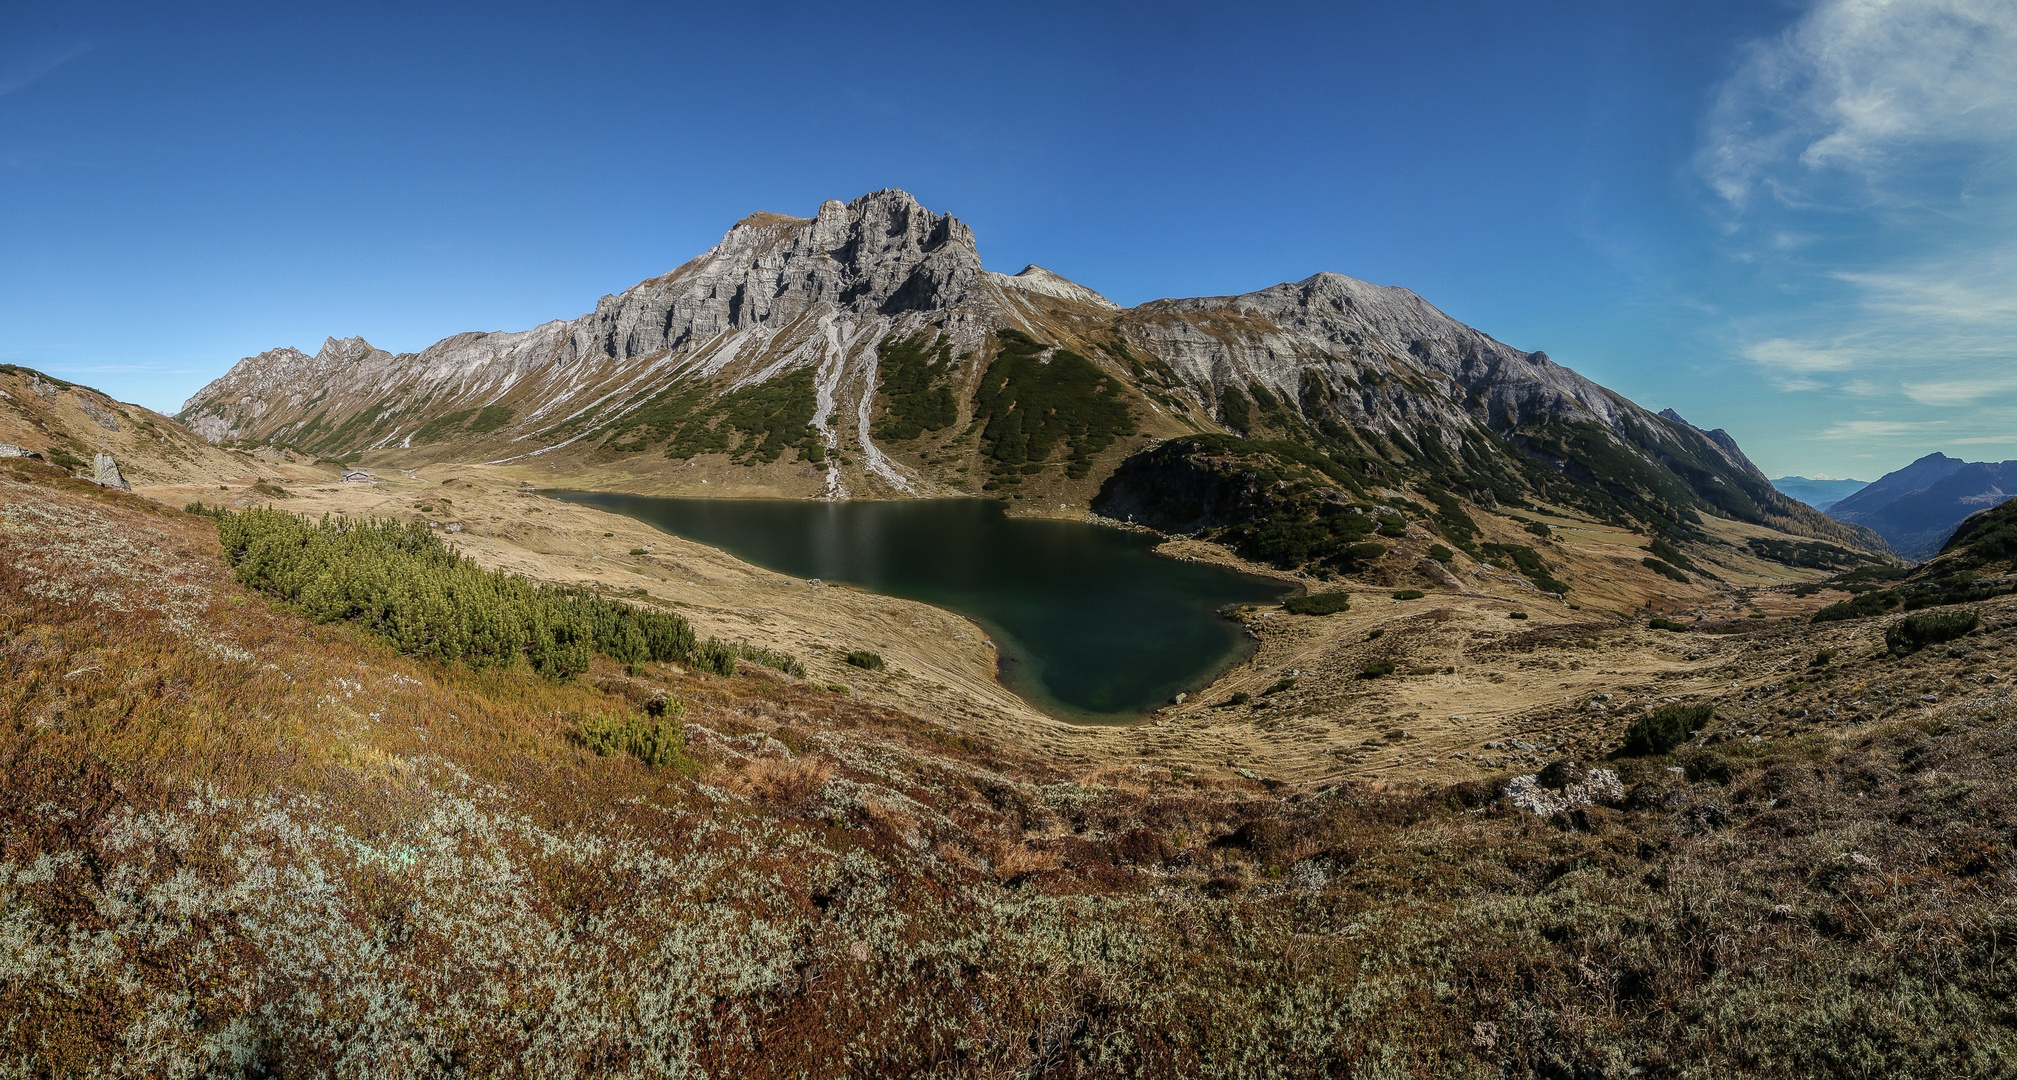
[[916, 397], [755, 424], [1528, 562], [399, 581], [1813, 554], [1987, 537], [487, 419], [1984, 542], [1028, 404]]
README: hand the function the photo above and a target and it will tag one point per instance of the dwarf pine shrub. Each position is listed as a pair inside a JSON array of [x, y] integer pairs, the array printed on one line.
[[1915, 632], [657, 741], [771, 658], [1665, 728], [1329, 603], [399, 581], [862, 658]]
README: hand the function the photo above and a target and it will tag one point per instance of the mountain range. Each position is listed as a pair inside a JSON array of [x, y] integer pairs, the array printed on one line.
[[865, 351], [1818, 493], [1919, 506]]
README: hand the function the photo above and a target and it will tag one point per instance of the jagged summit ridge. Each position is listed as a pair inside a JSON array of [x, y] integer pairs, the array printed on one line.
[[818, 300], [880, 255]]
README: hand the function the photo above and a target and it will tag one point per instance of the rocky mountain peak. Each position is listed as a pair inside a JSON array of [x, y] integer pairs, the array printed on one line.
[[347, 351], [1034, 278]]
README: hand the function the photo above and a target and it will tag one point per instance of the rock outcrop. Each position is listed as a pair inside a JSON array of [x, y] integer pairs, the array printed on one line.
[[105, 472], [1563, 787]]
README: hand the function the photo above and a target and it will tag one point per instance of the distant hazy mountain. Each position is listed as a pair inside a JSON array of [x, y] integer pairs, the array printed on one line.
[[1819, 494], [1918, 507]]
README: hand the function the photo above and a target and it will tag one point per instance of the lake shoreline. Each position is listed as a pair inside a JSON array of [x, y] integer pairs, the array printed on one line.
[[1090, 629]]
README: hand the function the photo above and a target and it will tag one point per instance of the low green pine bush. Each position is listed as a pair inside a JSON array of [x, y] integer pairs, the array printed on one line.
[[399, 581], [1665, 728], [1915, 632], [771, 658], [1377, 669], [862, 658], [1409, 594], [1329, 603], [658, 742]]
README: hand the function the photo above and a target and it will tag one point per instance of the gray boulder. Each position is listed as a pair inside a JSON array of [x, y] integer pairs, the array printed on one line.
[[105, 471]]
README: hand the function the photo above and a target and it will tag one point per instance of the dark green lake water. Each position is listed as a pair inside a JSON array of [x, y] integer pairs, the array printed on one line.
[[1091, 625]]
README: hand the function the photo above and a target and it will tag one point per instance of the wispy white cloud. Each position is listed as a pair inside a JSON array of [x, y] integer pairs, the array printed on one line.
[[1799, 357], [1869, 429], [1865, 161], [1867, 92]]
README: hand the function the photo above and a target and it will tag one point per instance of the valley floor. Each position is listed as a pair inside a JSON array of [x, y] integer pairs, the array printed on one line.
[[1474, 690]]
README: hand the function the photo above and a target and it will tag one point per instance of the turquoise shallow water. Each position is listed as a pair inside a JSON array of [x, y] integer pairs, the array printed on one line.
[[1092, 626]]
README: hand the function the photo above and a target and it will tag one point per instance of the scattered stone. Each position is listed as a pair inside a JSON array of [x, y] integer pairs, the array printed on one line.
[[1565, 786], [8, 449]]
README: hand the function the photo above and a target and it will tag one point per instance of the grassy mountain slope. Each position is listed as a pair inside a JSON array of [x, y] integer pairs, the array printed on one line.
[[69, 424]]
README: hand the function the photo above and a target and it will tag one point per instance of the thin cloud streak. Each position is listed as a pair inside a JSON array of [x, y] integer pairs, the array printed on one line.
[[18, 75], [1868, 157]]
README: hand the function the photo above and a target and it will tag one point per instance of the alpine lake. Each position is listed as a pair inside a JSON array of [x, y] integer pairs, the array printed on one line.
[[1090, 625]]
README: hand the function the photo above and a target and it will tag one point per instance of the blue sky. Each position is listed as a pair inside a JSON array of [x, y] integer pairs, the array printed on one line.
[[1796, 221]]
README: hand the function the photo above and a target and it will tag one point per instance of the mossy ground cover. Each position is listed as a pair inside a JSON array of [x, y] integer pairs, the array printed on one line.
[[236, 841]]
